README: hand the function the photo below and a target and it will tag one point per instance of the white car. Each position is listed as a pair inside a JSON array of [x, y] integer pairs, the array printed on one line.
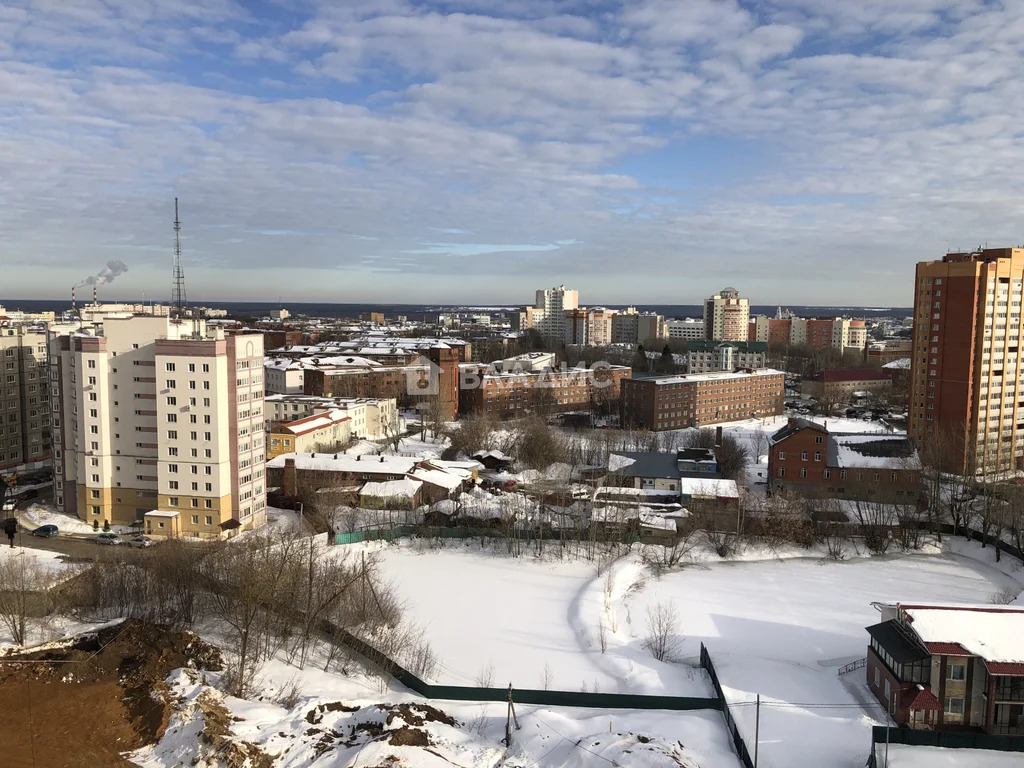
[[10, 504]]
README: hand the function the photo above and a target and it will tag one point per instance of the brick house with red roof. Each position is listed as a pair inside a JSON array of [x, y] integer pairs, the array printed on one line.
[[950, 667]]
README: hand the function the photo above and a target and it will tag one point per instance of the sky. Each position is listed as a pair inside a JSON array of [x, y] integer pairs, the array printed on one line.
[[808, 152]]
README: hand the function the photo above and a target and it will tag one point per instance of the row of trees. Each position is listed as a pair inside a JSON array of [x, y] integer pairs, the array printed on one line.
[[266, 595]]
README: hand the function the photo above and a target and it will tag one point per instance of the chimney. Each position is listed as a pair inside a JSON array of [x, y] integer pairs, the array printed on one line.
[[72, 298], [94, 302], [289, 480], [718, 437], [359, 457]]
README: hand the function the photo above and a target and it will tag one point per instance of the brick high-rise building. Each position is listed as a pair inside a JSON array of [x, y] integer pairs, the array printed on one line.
[[159, 421], [965, 387]]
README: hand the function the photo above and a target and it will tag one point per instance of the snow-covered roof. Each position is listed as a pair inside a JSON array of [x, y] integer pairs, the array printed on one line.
[[340, 361], [162, 513], [404, 488], [708, 487], [722, 376], [331, 462], [437, 477], [315, 422], [872, 451], [901, 364], [995, 633]]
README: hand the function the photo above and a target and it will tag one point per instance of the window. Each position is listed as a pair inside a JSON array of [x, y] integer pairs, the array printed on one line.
[[173, 485], [782, 471], [206, 367], [817, 455], [803, 455], [818, 439], [782, 455], [803, 472], [195, 519], [888, 690], [954, 706], [172, 468], [172, 418], [209, 519], [878, 677], [828, 473], [191, 367], [956, 671], [173, 501]]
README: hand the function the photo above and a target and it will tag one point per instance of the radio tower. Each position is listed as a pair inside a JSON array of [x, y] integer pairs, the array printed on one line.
[[178, 293]]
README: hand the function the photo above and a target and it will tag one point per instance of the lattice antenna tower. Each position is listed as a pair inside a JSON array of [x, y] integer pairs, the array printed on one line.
[[178, 290]]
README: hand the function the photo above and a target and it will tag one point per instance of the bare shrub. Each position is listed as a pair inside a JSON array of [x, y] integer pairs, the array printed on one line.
[[23, 584], [290, 695], [1005, 596], [485, 677], [547, 677], [662, 631]]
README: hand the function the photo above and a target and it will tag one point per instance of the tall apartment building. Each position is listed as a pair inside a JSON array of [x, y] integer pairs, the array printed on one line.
[[550, 306], [965, 386], [726, 316], [159, 421], [24, 398]]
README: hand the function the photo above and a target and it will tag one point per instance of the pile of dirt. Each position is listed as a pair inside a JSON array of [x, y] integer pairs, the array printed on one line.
[[90, 701]]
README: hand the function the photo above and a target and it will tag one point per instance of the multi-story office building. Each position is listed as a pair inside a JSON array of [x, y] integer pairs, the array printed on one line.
[[159, 420], [24, 398], [966, 386], [550, 306], [675, 402], [687, 329], [726, 316], [710, 356]]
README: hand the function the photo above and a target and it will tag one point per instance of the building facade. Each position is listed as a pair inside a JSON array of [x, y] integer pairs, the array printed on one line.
[[840, 333], [840, 385], [806, 459], [551, 305], [965, 383], [152, 414], [512, 395], [711, 356], [944, 667], [24, 398], [694, 400], [726, 316], [686, 329]]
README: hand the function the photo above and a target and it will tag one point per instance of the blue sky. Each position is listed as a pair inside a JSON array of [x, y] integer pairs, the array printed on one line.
[[807, 151]]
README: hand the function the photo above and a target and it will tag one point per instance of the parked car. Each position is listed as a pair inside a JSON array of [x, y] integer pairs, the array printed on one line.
[[108, 538], [10, 504], [46, 531], [141, 541]]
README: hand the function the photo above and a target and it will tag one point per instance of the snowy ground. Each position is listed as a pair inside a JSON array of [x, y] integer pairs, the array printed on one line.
[[36, 515], [315, 732], [779, 627], [48, 628], [904, 756], [489, 616], [782, 629], [49, 561]]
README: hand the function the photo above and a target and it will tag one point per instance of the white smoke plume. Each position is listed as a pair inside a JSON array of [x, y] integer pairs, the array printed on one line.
[[105, 275]]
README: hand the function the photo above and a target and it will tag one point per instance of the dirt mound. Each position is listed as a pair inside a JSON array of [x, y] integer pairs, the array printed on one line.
[[90, 701]]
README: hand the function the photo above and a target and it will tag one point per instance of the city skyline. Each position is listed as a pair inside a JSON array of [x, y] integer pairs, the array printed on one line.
[[467, 151]]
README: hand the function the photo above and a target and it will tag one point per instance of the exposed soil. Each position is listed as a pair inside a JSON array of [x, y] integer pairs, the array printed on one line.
[[86, 704]]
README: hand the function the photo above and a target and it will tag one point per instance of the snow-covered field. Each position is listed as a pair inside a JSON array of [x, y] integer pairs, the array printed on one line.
[[48, 561], [490, 616], [780, 628]]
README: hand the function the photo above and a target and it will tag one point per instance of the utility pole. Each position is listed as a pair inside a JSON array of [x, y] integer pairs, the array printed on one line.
[[510, 718], [757, 728], [888, 726]]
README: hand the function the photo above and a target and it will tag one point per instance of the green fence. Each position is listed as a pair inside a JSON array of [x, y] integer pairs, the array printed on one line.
[[457, 532], [946, 739], [520, 695], [730, 722]]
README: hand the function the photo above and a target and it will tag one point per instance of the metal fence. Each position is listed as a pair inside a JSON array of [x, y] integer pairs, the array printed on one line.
[[944, 739], [730, 721], [460, 532], [592, 699]]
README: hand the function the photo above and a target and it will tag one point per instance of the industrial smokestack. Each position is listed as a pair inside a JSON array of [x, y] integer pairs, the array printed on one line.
[[73, 298], [94, 302]]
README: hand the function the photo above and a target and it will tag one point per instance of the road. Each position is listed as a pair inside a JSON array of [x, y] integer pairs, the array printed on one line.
[[76, 548]]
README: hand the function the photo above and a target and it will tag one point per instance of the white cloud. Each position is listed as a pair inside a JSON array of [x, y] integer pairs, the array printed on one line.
[[867, 134]]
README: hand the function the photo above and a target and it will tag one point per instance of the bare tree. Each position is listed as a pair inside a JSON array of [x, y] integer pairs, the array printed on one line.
[[23, 585], [662, 631]]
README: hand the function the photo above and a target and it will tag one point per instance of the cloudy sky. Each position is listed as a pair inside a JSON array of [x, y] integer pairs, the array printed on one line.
[[807, 151]]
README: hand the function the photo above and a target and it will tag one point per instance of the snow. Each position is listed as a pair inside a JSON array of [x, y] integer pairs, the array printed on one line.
[[404, 488], [326, 462], [706, 487], [617, 461], [848, 453], [995, 633], [782, 629], [36, 515], [438, 477], [50, 561], [906, 756], [473, 605]]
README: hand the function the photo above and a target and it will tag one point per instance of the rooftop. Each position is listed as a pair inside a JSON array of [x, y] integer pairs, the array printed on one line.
[[995, 633]]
